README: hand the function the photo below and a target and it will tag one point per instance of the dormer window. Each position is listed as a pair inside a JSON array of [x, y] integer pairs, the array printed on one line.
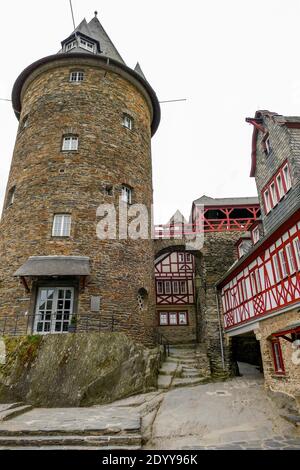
[[71, 45], [89, 46]]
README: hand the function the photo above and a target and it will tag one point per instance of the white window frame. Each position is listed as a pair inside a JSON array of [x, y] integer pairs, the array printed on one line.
[[163, 318], [159, 287], [87, 45], [61, 226], [296, 244], [127, 121], [70, 143], [273, 193], [268, 145], [70, 45], [268, 203], [287, 177], [255, 235], [276, 268], [290, 258], [183, 287], [175, 289], [182, 316], [253, 283], [283, 263], [280, 186], [258, 281], [168, 290], [126, 194], [76, 76], [173, 316]]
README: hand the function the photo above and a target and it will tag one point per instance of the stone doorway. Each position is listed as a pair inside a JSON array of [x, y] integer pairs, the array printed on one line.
[[246, 350]]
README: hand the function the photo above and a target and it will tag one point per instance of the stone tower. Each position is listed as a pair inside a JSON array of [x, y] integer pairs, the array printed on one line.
[[84, 139]]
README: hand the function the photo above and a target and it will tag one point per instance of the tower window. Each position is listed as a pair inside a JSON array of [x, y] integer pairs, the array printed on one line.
[[128, 122], [61, 225], [89, 46], [126, 194], [70, 143], [76, 77], [10, 196], [71, 45]]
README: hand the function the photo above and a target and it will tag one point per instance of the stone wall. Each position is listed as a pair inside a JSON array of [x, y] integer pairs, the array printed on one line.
[[50, 181], [76, 369], [180, 333], [218, 254], [289, 383]]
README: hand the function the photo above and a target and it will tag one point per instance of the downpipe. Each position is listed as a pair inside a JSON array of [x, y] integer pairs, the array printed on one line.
[[220, 330]]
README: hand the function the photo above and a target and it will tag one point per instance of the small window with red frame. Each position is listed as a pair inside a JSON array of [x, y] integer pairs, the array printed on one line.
[[277, 357]]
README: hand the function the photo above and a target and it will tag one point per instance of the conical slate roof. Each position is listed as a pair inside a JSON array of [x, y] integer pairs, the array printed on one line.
[[138, 70], [95, 32]]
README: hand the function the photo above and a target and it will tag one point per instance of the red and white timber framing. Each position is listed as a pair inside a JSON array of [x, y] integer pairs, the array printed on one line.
[[266, 282], [174, 279], [229, 220]]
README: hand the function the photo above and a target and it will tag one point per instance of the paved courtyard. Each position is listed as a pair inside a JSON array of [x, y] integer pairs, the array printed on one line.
[[236, 414]]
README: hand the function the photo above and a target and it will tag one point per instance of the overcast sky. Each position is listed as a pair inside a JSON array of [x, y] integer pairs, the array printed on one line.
[[228, 58]]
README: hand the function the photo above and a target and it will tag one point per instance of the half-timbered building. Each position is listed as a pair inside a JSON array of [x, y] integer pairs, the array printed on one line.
[[260, 294]]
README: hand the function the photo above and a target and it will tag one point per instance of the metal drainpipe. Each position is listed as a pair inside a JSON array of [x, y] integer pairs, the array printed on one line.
[[220, 330]]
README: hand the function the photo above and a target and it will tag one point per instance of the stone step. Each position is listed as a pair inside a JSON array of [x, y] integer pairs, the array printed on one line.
[[182, 361], [183, 357], [185, 373], [125, 441], [185, 382], [13, 412], [164, 381], [183, 346], [168, 368]]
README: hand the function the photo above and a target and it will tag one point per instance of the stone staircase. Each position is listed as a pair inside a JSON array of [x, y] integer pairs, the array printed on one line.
[[186, 365], [49, 429]]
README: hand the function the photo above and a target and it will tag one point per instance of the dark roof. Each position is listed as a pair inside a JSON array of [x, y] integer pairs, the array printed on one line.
[[138, 70], [95, 31], [55, 266], [227, 201]]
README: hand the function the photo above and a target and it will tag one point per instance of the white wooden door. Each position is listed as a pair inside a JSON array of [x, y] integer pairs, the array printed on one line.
[[54, 309]]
